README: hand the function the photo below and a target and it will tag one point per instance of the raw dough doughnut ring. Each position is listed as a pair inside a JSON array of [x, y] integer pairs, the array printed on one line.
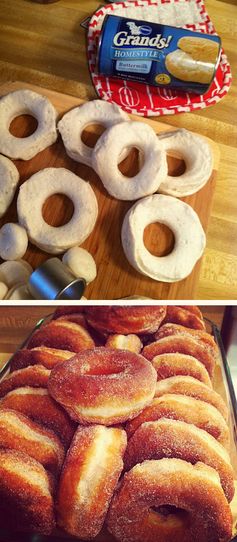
[[168, 499], [26, 502], [168, 365], [181, 440], [198, 158], [37, 189], [75, 121], [190, 238], [13, 241], [185, 409], [90, 474], [106, 154], [9, 177], [103, 385], [26, 102]]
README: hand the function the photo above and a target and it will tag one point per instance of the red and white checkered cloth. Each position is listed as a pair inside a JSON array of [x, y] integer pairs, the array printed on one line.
[[147, 100]]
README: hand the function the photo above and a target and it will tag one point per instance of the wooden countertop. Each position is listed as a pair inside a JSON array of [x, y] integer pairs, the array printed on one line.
[[45, 44]]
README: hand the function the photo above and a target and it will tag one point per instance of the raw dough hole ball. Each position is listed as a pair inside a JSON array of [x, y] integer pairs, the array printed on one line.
[[3, 290], [21, 102], [80, 263], [198, 159], [13, 241], [181, 219], [75, 121], [37, 189], [106, 155], [14, 272], [9, 177]]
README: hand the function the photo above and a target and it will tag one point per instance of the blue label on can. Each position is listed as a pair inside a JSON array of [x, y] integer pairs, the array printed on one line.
[[156, 54]]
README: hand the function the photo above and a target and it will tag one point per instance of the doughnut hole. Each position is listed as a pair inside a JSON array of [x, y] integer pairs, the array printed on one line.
[[132, 163], [169, 516], [158, 239], [176, 163], [91, 134], [23, 125], [57, 210]]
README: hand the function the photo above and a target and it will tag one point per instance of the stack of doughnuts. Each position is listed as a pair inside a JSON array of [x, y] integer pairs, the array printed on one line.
[[108, 419]]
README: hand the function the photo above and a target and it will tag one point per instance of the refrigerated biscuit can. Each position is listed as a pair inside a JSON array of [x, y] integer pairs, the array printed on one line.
[[158, 55]]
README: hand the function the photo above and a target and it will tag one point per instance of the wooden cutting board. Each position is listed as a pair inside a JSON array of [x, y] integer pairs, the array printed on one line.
[[116, 278]]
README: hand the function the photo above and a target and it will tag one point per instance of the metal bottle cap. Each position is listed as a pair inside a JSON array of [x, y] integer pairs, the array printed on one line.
[[53, 280]]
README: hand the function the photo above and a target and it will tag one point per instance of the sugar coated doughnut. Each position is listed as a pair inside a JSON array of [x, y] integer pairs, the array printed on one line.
[[186, 409], [48, 357], [184, 67], [106, 154], [183, 345], [168, 365], [18, 432], [125, 320], [40, 407], [198, 159], [167, 330], [81, 263], [9, 177], [33, 375], [13, 241], [168, 499], [15, 272], [26, 502], [103, 385], [37, 189], [93, 465], [61, 334], [125, 342], [190, 238], [26, 102], [75, 121], [184, 316], [181, 440], [187, 385]]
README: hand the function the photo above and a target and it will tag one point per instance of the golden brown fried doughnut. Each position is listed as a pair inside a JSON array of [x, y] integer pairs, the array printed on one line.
[[103, 385], [67, 310], [125, 342], [186, 409], [180, 440], [62, 335], [48, 357], [175, 329], [185, 317], [182, 345], [18, 432], [33, 375], [193, 309], [37, 404], [187, 385], [168, 365], [93, 465], [125, 320], [25, 494], [170, 499]]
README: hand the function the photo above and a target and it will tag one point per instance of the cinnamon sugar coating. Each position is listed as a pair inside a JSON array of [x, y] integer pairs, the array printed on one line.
[[186, 409], [180, 440], [183, 345], [103, 385], [125, 342], [125, 320], [37, 404], [167, 330], [26, 502], [63, 335], [93, 465], [170, 365], [190, 317], [48, 357], [33, 375], [18, 432], [140, 511]]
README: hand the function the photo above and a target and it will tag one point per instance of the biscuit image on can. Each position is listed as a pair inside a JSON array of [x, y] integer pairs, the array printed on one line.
[[185, 67], [202, 49]]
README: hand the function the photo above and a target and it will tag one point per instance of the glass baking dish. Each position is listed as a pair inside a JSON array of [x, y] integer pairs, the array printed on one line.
[[222, 384]]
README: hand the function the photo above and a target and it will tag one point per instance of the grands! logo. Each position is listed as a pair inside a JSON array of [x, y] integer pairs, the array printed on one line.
[[139, 35]]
